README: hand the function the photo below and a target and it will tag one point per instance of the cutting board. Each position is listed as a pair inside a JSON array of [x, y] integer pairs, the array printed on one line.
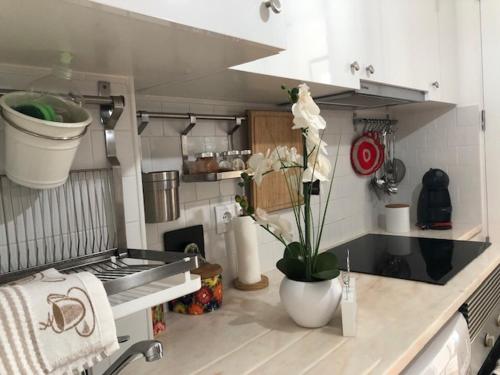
[[267, 129]]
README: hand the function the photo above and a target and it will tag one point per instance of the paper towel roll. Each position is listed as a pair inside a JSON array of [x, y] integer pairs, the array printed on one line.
[[397, 218], [245, 233]]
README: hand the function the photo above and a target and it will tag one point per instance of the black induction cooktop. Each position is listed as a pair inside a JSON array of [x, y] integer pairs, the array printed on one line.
[[429, 260]]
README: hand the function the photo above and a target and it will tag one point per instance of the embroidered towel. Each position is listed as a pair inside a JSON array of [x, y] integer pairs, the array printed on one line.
[[53, 323]]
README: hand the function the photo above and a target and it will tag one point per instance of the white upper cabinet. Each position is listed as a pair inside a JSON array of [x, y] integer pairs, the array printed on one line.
[[110, 40], [322, 43], [244, 19], [410, 43], [371, 54], [447, 90], [340, 42]]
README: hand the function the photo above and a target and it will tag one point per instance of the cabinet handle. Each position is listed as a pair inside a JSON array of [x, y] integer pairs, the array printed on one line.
[[435, 84], [354, 66], [370, 69], [275, 5]]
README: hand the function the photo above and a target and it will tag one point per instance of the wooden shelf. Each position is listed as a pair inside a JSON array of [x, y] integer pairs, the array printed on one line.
[[211, 177]]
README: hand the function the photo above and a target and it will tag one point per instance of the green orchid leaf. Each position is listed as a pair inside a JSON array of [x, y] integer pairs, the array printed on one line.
[[293, 250], [326, 267], [294, 269]]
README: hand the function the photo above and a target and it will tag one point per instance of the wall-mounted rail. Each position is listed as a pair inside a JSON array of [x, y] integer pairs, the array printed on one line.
[[192, 118], [89, 99], [145, 116]]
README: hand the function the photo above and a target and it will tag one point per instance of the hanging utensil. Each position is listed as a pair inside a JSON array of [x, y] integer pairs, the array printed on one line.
[[398, 171]]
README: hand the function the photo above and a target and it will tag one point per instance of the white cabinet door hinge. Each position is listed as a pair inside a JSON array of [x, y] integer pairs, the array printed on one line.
[[483, 120]]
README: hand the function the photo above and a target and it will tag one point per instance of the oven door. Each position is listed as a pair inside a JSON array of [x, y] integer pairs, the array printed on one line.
[[486, 344], [448, 352]]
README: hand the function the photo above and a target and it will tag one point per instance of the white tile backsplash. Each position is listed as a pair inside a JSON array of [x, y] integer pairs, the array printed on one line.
[[352, 208], [448, 140], [207, 190], [165, 153]]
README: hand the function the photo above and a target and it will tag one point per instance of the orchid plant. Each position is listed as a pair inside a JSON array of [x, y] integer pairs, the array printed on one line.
[[302, 260]]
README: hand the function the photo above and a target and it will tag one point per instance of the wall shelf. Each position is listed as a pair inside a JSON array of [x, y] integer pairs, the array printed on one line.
[[211, 177], [144, 117]]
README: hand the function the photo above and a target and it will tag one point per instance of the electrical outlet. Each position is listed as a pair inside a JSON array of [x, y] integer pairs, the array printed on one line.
[[224, 213]]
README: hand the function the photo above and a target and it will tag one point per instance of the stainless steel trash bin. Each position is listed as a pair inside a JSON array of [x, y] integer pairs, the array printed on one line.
[[161, 196]]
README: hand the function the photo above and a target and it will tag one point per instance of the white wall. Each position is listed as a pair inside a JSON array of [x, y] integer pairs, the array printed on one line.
[[490, 13], [448, 139], [350, 213]]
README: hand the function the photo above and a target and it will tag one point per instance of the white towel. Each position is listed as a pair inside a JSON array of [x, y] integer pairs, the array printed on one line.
[[53, 323]]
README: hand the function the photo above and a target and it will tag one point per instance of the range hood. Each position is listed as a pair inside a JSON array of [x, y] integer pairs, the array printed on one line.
[[370, 95]]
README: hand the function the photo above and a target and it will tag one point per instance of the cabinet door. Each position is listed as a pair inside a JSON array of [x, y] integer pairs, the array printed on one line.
[[266, 131], [447, 90], [410, 42], [323, 40], [244, 19], [371, 47]]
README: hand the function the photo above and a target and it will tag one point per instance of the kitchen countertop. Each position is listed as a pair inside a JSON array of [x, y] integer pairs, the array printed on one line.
[[458, 232], [252, 333]]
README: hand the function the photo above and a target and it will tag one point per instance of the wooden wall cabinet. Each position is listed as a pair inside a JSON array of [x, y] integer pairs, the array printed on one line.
[[267, 129]]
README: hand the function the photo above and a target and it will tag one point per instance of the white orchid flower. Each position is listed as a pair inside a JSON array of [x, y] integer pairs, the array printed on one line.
[[278, 159], [305, 100], [276, 224], [306, 112], [258, 165], [314, 141], [318, 168]]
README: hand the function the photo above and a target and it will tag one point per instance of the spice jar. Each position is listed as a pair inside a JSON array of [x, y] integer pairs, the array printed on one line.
[[238, 163], [245, 155], [206, 163], [229, 156], [225, 164]]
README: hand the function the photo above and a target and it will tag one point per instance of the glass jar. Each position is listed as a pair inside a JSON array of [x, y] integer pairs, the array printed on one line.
[[229, 156], [238, 163], [206, 163], [245, 155], [225, 164]]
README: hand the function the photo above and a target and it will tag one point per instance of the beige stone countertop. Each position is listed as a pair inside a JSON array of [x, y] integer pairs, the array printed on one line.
[[252, 334], [458, 232]]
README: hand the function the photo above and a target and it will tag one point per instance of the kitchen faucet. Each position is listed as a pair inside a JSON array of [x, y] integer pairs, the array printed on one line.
[[151, 350]]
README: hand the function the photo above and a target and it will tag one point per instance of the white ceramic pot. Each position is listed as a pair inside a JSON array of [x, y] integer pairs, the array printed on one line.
[[247, 252], [310, 305], [33, 160]]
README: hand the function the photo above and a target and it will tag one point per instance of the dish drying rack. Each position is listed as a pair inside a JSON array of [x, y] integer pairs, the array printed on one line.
[[80, 226]]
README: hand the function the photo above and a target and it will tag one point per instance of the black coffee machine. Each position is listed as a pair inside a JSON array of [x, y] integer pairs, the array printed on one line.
[[434, 203]]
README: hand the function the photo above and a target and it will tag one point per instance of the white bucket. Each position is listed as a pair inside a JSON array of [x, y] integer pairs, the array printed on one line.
[[39, 153]]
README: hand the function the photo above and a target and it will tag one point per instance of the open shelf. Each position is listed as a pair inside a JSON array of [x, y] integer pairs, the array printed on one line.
[[211, 177]]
